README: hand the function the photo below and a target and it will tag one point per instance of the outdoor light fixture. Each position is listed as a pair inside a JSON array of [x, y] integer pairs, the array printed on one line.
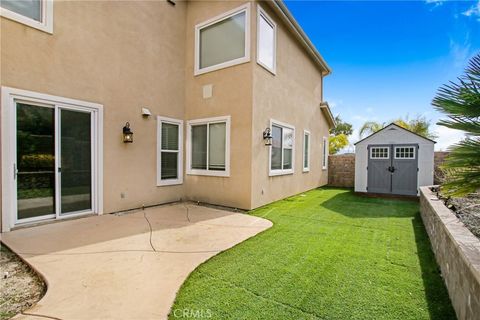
[[267, 137], [127, 133]]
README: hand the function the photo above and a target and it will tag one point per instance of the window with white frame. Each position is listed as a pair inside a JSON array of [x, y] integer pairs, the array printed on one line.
[[325, 153], [282, 149], [266, 41], [306, 151], [34, 13], [170, 154], [379, 152], [223, 41], [404, 152], [208, 146]]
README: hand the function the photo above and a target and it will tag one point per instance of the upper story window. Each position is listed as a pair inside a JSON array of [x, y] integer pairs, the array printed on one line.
[[223, 41], [282, 151], [34, 13], [208, 147], [266, 41]]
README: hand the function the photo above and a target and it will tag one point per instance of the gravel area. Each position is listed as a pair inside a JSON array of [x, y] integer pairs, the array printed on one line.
[[467, 209], [20, 287]]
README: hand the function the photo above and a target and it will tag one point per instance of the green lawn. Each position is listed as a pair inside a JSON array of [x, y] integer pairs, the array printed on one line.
[[329, 255]]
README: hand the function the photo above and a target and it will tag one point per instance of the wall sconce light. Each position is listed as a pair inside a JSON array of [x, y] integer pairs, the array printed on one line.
[[267, 137], [127, 133]]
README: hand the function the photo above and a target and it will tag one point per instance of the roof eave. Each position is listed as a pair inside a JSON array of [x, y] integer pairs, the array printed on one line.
[[396, 125], [281, 9], [328, 113]]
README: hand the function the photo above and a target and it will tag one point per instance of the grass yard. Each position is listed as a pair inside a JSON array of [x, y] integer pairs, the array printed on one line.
[[329, 255]]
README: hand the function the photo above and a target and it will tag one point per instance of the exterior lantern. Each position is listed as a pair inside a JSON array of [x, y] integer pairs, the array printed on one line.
[[267, 137], [127, 133]]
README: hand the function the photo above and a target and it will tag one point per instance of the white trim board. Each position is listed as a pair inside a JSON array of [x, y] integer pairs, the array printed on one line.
[[8, 144]]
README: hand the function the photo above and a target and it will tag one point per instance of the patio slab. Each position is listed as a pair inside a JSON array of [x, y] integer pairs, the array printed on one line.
[[112, 267]]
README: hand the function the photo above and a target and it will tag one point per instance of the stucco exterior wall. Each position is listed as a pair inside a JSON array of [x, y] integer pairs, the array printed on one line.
[[123, 55], [291, 96], [232, 95], [397, 136]]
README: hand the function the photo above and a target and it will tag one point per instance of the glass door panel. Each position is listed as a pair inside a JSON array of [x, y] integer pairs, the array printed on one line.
[[35, 161], [75, 161]]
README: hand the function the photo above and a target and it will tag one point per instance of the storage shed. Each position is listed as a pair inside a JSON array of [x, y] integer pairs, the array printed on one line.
[[393, 160]]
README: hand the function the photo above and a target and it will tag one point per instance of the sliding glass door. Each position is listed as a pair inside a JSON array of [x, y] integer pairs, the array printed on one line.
[[54, 175], [35, 169], [75, 161]]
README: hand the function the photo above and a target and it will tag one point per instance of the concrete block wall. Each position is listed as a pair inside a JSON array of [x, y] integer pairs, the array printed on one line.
[[341, 170], [457, 252]]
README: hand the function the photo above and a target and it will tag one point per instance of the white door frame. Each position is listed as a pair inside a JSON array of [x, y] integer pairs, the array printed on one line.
[[8, 147]]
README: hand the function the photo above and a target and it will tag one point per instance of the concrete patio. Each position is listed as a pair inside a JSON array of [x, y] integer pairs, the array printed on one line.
[[114, 267]]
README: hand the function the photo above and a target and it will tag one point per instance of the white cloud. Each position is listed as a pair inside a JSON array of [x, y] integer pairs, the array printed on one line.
[[460, 52], [435, 3], [473, 11], [446, 137]]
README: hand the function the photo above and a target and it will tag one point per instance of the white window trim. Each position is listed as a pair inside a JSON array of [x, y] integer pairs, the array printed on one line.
[[8, 146], [246, 58], [46, 25], [380, 158], [201, 172], [306, 133], [262, 14], [325, 153], [395, 153], [279, 172], [179, 180]]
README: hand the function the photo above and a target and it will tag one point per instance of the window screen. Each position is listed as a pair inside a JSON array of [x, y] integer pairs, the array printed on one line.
[[222, 41], [29, 8]]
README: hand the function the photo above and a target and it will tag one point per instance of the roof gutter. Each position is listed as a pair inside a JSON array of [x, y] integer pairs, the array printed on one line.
[[282, 10]]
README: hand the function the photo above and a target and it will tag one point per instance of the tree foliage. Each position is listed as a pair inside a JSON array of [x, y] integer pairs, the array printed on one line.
[[339, 135], [460, 102], [336, 143], [419, 125]]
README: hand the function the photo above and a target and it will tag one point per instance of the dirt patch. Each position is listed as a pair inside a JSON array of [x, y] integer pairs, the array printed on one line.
[[467, 209], [20, 286]]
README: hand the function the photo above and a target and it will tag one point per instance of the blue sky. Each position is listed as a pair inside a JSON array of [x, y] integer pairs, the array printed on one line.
[[390, 57]]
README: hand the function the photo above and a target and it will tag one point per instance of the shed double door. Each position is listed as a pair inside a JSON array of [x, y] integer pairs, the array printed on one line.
[[393, 169]]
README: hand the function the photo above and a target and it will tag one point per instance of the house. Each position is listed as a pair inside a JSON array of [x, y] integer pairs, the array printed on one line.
[[112, 105], [394, 160]]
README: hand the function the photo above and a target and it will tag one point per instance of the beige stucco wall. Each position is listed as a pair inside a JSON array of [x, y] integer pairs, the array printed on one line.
[[291, 96], [124, 55], [232, 95], [129, 55]]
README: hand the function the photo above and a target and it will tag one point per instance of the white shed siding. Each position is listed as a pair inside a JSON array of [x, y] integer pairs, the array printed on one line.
[[394, 135]]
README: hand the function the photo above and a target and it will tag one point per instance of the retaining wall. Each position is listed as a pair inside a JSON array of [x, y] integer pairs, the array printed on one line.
[[457, 252]]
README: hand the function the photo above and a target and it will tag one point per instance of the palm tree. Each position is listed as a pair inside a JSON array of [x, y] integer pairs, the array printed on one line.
[[370, 127], [460, 102], [420, 125]]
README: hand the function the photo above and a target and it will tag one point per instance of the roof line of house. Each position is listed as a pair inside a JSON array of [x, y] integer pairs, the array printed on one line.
[[328, 113], [396, 125], [282, 10]]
